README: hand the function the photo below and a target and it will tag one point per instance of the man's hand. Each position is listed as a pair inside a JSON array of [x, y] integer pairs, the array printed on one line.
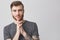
[[21, 30], [18, 25]]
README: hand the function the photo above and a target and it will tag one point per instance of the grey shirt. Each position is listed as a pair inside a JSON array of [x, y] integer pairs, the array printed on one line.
[[30, 28]]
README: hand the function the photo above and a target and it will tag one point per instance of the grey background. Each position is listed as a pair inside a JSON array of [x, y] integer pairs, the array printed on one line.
[[46, 13]]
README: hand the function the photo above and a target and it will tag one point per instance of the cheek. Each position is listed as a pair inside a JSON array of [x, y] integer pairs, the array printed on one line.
[[21, 13], [13, 13]]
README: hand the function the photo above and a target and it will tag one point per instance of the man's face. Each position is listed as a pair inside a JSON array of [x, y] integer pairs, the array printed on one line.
[[17, 12]]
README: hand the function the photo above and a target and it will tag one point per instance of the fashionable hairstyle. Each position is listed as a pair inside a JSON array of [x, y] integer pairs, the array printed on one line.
[[16, 3]]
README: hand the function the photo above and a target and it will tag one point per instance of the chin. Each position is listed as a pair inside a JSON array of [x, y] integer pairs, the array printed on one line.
[[17, 19]]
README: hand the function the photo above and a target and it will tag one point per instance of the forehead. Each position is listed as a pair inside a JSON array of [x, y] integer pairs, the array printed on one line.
[[17, 7]]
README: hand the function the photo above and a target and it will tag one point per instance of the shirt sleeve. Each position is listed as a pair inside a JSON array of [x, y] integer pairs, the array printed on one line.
[[35, 30], [6, 33]]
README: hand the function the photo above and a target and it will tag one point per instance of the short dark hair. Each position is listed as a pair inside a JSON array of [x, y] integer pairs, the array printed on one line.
[[16, 3]]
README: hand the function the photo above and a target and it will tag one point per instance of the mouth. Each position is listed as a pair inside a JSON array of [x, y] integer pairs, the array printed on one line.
[[17, 16]]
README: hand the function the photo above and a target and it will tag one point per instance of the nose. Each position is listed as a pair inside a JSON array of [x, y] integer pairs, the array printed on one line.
[[17, 12]]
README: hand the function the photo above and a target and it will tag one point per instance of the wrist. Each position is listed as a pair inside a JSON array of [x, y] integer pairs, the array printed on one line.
[[24, 34]]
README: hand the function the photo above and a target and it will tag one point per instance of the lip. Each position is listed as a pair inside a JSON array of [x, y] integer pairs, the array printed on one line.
[[17, 16]]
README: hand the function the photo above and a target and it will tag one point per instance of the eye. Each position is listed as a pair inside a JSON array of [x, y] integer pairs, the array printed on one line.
[[14, 10], [20, 10]]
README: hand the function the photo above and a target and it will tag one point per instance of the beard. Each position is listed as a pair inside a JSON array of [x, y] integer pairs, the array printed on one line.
[[20, 17]]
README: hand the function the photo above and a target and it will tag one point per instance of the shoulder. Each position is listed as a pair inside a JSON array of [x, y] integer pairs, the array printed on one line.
[[30, 22], [7, 27]]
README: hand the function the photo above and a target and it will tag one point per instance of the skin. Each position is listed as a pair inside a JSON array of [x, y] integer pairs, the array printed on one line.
[[18, 14]]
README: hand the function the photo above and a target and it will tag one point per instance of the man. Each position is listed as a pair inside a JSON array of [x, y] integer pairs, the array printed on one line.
[[20, 29]]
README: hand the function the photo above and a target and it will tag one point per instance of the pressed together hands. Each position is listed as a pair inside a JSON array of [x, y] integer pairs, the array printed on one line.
[[20, 30]]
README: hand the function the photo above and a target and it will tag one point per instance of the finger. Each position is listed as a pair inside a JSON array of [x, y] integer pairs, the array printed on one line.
[[19, 22], [19, 25]]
